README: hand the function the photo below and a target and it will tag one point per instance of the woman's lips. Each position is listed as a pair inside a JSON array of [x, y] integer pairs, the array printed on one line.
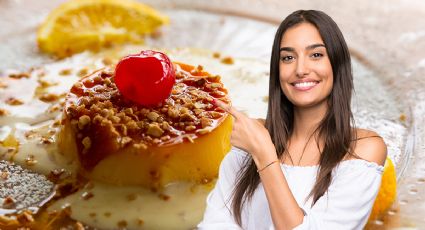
[[304, 86]]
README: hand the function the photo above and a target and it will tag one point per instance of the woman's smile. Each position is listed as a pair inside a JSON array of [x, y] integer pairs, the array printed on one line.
[[304, 85]]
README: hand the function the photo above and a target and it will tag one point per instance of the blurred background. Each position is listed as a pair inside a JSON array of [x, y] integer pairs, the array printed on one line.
[[386, 39]]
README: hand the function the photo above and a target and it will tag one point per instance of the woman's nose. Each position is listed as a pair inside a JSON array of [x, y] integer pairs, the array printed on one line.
[[302, 67]]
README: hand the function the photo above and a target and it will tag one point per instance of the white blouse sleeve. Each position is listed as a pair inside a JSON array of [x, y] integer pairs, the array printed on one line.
[[349, 200], [217, 214]]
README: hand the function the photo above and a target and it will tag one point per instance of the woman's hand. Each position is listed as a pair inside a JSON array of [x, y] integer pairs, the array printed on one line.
[[250, 135]]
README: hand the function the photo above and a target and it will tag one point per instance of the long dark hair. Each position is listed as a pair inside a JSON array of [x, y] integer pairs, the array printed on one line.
[[335, 129]]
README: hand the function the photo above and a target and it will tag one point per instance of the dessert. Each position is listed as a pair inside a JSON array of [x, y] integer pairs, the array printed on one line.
[[116, 140]]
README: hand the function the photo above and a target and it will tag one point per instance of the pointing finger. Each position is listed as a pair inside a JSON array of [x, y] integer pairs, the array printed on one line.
[[228, 108]]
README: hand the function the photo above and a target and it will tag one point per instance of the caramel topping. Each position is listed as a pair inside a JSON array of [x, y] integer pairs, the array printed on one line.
[[104, 121]]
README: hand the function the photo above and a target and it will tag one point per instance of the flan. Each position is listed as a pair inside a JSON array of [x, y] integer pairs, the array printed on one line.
[[114, 140]]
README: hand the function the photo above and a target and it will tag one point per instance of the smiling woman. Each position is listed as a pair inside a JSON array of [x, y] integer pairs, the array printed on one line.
[[305, 67], [324, 159]]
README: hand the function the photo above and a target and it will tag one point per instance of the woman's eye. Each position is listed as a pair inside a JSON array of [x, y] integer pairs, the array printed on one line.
[[317, 55], [287, 58]]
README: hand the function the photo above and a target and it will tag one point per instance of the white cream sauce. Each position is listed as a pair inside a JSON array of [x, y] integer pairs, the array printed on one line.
[[138, 207]]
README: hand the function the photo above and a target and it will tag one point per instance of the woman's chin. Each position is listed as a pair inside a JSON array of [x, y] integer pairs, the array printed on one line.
[[309, 103]]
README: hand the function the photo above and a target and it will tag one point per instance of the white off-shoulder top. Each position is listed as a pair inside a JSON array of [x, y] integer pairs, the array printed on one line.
[[346, 205]]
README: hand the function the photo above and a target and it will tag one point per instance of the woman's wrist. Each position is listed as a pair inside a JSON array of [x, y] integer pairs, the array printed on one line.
[[264, 157], [265, 167]]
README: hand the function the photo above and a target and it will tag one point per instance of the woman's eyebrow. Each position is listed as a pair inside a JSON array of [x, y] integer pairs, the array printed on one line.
[[289, 49], [310, 47]]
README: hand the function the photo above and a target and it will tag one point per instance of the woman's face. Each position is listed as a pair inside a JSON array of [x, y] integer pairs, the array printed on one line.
[[306, 76]]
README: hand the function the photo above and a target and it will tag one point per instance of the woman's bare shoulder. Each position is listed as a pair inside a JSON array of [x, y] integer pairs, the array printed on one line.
[[370, 146]]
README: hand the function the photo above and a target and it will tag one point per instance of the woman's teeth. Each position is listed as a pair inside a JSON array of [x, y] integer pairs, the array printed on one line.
[[305, 84]]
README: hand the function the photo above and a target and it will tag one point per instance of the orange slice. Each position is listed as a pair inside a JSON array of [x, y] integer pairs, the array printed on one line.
[[80, 25], [387, 192]]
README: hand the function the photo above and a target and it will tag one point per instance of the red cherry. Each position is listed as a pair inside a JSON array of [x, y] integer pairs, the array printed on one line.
[[146, 78]]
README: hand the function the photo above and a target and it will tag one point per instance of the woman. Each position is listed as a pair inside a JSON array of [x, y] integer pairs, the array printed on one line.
[[308, 167]]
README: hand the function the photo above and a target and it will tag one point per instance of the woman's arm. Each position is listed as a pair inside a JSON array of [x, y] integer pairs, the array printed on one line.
[[251, 135], [286, 214]]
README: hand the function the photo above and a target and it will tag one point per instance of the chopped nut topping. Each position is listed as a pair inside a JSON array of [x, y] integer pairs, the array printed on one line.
[[132, 125], [140, 221], [108, 81], [19, 75], [14, 101], [65, 72], [122, 224], [140, 146], [203, 131], [152, 116], [3, 85], [125, 141], [86, 142], [190, 128], [97, 79], [187, 117], [216, 85], [214, 78], [107, 72], [189, 139], [79, 226], [173, 113], [164, 197], [78, 85], [115, 119], [87, 195], [57, 174], [4, 175], [215, 114], [198, 111], [45, 84], [131, 197], [46, 140], [165, 126], [199, 105], [107, 61], [227, 60], [216, 55], [165, 138], [402, 117], [96, 103], [205, 122], [3, 112], [154, 130], [8, 203], [82, 72], [30, 161], [25, 217], [83, 121], [49, 97]]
